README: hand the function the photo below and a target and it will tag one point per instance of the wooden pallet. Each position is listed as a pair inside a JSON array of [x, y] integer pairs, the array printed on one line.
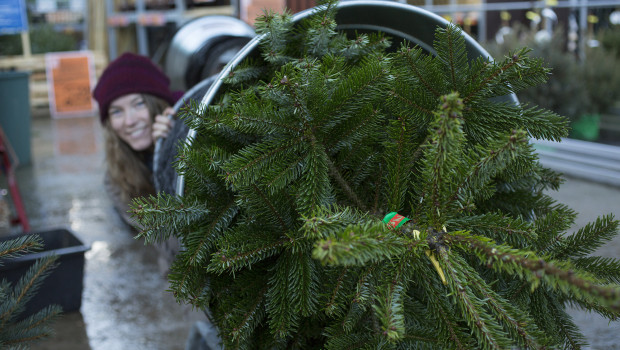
[[35, 64]]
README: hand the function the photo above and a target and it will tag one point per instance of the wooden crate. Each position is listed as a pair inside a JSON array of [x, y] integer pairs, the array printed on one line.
[[35, 64]]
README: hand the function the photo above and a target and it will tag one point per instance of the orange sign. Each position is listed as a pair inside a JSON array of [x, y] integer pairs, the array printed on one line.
[[70, 78]]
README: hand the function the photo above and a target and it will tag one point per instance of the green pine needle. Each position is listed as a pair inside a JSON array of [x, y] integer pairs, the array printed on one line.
[[309, 144]]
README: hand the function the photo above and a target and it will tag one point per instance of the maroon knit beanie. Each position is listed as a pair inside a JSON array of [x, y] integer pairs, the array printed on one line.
[[131, 74]]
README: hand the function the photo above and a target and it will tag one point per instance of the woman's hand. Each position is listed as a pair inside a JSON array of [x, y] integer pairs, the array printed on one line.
[[162, 124]]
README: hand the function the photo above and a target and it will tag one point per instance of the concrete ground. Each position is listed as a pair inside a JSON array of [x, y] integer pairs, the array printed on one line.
[[591, 200], [125, 304]]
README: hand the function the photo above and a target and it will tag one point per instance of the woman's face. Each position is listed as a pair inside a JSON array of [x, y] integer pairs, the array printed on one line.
[[130, 119]]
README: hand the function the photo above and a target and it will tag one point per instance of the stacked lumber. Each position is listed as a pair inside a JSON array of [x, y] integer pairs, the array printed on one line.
[[35, 65]]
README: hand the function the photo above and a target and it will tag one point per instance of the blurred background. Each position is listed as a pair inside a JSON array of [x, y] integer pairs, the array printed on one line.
[[578, 39], [52, 51]]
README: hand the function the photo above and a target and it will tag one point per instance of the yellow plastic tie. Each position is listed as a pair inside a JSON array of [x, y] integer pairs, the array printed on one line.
[[433, 260], [395, 220]]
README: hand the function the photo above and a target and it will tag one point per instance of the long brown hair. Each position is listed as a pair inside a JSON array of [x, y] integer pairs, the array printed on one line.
[[127, 168]]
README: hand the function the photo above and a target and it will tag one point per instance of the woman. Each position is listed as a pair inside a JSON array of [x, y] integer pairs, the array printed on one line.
[[134, 106]]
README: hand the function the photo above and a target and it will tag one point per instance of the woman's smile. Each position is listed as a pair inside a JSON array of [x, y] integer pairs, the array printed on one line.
[[131, 120]]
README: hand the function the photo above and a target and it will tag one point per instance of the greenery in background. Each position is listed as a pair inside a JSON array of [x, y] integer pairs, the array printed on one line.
[[610, 39], [309, 146], [43, 39], [574, 88], [16, 332], [601, 70]]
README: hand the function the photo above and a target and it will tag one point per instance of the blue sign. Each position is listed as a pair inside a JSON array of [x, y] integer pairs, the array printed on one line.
[[13, 17]]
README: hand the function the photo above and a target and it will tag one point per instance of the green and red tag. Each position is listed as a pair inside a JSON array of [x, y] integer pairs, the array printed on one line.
[[395, 220]]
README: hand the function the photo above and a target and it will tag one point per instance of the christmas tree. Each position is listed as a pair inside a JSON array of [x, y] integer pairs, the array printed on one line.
[[16, 329], [347, 193]]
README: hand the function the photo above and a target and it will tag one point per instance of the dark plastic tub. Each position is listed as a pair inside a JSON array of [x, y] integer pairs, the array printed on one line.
[[64, 285]]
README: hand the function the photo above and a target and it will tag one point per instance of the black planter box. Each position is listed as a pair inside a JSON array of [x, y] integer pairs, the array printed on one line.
[[63, 286]]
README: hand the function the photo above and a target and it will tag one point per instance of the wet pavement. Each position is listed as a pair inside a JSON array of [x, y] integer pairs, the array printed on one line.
[[125, 304], [591, 200]]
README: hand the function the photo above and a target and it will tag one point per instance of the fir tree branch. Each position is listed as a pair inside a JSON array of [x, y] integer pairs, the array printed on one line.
[[450, 44], [270, 205], [389, 310], [519, 324], [246, 72], [378, 187], [274, 28], [19, 246], [362, 289], [419, 150], [283, 320], [252, 317], [436, 298], [245, 167], [553, 320], [481, 173], [285, 176], [304, 279], [33, 327], [412, 57], [335, 174], [202, 170], [410, 102], [331, 306], [591, 307], [355, 314], [399, 164], [315, 191], [544, 124], [452, 329], [297, 92], [498, 227], [551, 227], [165, 215], [587, 239], [489, 334], [535, 270], [263, 125], [572, 337], [497, 71], [360, 244], [607, 269], [442, 153], [191, 113], [29, 339], [200, 243], [328, 221], [42, 317], [318, 35], [186, 281], [360, 87], [231, 259], [364, 123], [27, 285], [345, 341]]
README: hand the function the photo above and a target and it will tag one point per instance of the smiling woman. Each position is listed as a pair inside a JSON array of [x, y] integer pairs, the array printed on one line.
[[134, 106]]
